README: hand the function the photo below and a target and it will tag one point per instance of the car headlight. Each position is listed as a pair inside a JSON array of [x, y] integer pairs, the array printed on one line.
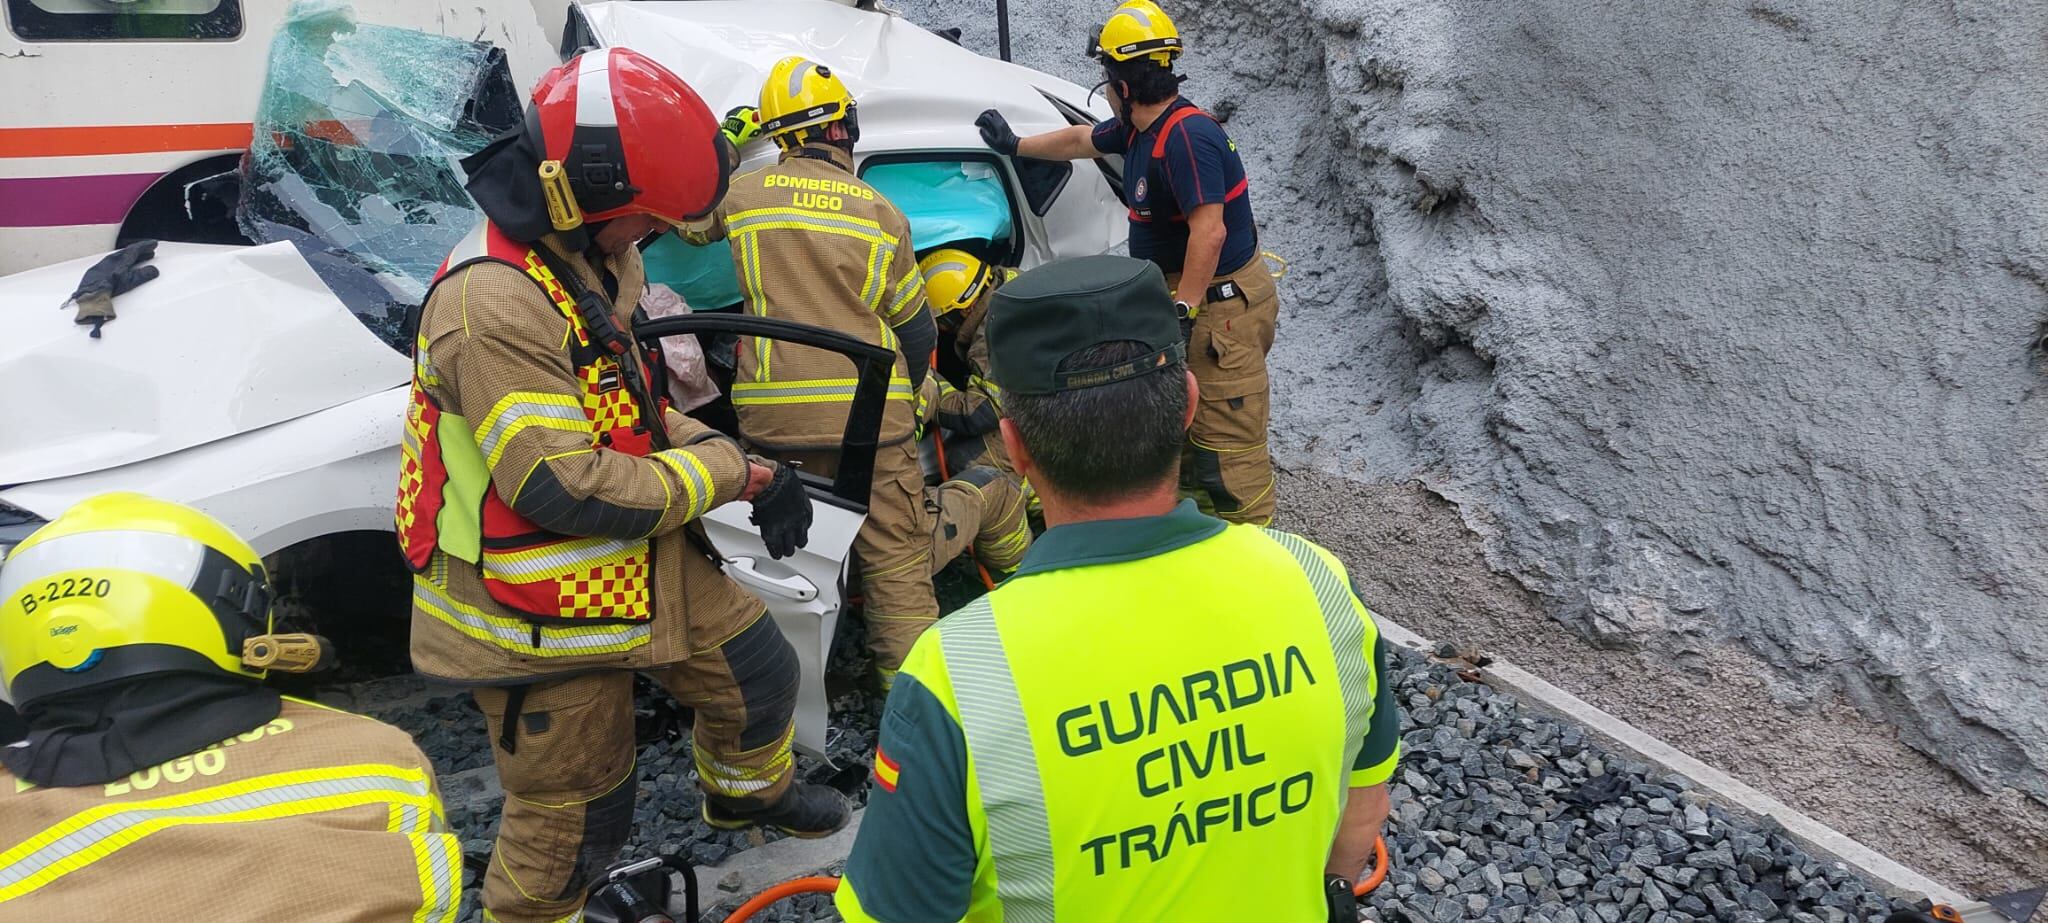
[[16, 524]]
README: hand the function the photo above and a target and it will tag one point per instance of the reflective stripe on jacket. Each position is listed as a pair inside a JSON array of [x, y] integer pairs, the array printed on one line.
[[541, 573], [813, 244], [318, 815], [553, 542]]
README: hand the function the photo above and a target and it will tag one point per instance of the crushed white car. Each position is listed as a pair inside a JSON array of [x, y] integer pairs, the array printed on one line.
[[266, 385]]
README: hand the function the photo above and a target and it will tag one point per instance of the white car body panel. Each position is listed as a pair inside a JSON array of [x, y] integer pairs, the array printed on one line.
[[802, 593], [331, 471], [226, 340], [1086, 219], [916, 91]]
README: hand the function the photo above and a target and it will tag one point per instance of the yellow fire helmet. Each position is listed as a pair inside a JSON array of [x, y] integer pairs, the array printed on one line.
[[121, 586], [1138, 28], [953, 279], [801, 95]]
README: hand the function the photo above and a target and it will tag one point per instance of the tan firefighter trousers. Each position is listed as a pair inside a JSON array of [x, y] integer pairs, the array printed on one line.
[[569, 774], [912, 533], [1226, 465]]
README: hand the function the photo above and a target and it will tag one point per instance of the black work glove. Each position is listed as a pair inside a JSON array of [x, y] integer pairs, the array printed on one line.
[[116, 273], [1343, 906], [782, 512], [996, 133]]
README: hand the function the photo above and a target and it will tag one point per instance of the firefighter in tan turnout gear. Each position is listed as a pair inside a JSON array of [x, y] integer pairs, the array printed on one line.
[[160, 780], [812, 243], [547, 504], [958, 285]]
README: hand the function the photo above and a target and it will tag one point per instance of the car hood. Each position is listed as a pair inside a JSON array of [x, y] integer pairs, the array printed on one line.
[[226, 340]]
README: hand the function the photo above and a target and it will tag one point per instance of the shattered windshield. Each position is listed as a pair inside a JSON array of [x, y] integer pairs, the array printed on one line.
[[354, 153]]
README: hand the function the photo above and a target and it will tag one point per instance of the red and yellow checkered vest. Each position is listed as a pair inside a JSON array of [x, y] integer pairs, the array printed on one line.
[[445, 500]]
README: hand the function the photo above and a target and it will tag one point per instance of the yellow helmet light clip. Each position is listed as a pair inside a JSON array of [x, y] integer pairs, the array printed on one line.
[[563, 212]]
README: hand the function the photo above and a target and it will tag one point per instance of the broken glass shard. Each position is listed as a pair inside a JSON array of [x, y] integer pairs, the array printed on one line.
[[355, 149]]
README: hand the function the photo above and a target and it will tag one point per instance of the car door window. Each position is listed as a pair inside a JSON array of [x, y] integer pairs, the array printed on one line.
[[702, 274], [1042, 181], [101, 20]]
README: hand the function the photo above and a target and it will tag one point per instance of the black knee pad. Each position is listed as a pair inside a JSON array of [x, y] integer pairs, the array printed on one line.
[[1209, 477], [607, 823], [979, 475], [765, 666]]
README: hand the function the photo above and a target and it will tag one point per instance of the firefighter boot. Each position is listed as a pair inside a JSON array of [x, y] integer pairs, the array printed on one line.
[[804, 810]]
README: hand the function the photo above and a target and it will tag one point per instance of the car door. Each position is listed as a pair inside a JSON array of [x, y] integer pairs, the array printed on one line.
[[805, 592], [1087, 215]]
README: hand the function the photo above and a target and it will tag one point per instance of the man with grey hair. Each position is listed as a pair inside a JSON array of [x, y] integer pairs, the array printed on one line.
[[1165, 715]]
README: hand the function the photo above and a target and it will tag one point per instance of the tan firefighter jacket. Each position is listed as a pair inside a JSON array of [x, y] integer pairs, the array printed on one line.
[[500, 351], [319, 815], [812, 243], [973, 411]]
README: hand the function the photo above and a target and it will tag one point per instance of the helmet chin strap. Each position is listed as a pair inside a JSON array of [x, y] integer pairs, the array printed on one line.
[[1108, 83]]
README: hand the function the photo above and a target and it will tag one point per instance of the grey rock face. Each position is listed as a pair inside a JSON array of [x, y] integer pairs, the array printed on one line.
[[1717, 320], [1727, 315]]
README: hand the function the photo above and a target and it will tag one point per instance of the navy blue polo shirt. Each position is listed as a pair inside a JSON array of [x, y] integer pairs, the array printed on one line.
[[1198, 165]]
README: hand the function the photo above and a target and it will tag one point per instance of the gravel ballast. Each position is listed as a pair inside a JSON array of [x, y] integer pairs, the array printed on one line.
[[1500, 813]]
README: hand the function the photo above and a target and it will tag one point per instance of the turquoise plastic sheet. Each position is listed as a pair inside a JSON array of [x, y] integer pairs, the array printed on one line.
[[702, 275], [946, 201]]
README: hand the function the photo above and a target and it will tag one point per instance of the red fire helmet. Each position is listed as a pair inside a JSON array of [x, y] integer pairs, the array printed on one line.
[[631, 137]]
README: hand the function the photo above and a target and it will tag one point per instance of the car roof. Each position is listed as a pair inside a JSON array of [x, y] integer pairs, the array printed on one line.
[[916, 90]]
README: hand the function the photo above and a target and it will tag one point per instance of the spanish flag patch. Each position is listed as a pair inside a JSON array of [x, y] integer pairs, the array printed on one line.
[[886, 770]]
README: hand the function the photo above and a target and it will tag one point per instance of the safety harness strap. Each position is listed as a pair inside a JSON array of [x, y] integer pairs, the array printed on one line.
[[1172, 119], [508, 723], [1166, 126]]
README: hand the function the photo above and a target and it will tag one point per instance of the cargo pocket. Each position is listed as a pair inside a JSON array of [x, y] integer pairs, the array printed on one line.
[[1227, 367], [1228, 461]]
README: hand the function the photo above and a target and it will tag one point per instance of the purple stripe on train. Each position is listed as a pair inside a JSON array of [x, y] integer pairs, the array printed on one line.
[[56, 201]]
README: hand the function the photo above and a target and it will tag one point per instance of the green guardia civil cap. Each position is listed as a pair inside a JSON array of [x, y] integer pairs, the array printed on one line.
[[1047, 314]]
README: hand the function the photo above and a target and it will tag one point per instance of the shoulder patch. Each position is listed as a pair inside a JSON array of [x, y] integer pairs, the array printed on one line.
[[887, 771]]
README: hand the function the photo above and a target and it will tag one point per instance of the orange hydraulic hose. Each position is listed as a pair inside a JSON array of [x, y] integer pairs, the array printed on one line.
[[827, 885], [1379, 869], [812, 885]]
